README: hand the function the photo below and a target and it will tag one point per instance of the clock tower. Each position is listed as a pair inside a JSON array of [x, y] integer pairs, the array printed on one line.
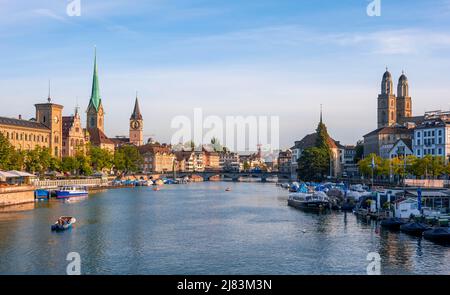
[[50, 115], [136, 126]]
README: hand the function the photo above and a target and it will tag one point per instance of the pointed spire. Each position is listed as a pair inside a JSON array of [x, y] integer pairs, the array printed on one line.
[[136, 115], [321, 121], [95, 95], [49, 99]]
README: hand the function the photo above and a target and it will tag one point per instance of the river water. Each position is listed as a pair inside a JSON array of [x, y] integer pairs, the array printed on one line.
[[202, 229]]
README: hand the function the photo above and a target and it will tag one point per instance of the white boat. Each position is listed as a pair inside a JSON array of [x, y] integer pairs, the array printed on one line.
[[72, 191]]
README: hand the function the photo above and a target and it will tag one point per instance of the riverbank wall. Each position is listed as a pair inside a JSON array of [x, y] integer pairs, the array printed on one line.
[[16, 195]]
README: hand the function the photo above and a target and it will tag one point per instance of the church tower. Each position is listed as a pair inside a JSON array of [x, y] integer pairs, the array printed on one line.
[[387, 105], [95, 113], [404, 104], [136, 125], [50, 115]]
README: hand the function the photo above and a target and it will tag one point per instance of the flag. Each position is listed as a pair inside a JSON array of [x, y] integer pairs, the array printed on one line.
[[373, 163], [419, 199]]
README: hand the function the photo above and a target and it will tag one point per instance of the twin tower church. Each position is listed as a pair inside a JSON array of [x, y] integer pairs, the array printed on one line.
[[64, 136], [393, 109]]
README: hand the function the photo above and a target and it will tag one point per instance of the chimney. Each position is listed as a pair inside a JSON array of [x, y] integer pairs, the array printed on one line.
[[20, 117]]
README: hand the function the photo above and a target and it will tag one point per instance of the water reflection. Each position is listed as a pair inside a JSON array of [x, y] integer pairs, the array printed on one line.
[[201, 229]]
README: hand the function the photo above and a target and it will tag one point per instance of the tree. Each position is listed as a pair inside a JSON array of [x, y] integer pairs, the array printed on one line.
[[84, 163], [17, 160], [323, 139], [101, 158], [70, 164], [32, 160], [6, 152], [359, 151], [127, 159], [313, 164]]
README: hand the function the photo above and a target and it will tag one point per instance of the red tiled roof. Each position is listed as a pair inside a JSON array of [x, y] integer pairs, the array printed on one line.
[[97, 137]]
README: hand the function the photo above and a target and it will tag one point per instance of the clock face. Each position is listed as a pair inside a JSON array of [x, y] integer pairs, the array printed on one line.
[[135, 125], [56, 119]]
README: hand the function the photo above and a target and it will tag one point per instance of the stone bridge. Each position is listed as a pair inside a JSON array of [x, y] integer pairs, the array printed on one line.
[[235, 176]]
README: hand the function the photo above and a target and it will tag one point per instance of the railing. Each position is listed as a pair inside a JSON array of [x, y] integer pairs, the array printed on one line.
[[69, 182]]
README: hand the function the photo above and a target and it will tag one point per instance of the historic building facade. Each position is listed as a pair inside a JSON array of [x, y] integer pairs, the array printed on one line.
[[75, 137], [158, 158], [24, 134]]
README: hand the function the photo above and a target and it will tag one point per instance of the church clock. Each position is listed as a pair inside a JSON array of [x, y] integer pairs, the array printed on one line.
[[135, 125]]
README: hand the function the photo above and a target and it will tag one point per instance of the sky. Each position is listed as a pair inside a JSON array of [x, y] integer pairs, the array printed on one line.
[[228, 57]]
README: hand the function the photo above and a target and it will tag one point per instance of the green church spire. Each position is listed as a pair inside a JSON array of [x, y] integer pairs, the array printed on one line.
[[95, 95]]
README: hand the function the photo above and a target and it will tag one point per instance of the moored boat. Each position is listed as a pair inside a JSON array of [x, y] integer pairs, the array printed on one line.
[[71, 192], [317, 201], [392, 223], [439, 234], [414, 228], [63, 223]]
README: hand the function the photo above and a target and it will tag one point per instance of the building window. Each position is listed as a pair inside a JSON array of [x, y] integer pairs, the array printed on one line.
[[418, 152], [418, 142], [439, 151]]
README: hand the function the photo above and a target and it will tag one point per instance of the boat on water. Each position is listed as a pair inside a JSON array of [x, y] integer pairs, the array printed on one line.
[[317, 201], [439, 234], [414, 228], [392, 223], [73, 191], [41, 194], [63, 223]]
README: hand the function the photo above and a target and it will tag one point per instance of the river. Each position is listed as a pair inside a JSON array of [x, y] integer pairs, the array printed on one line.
[[200, 228]]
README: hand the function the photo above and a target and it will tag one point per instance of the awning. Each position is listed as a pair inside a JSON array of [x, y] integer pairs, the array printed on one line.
[[21, 173], [4, 175]]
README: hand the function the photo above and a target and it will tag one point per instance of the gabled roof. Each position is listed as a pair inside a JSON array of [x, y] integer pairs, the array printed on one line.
[[22, 123], [390, 130], [309, 141], [154, 148], [97, 137], [67, 123]]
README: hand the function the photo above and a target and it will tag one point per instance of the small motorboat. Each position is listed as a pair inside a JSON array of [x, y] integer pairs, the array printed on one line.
[[392, 223], [439, 234], [414, 228], [156, 188], [71, 192], [63, 223], [228, 189]]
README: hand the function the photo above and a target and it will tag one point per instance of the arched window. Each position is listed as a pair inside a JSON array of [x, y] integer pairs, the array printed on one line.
[[392, 115]]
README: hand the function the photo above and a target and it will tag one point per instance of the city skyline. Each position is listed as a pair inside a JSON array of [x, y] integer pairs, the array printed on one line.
[[250, 60]]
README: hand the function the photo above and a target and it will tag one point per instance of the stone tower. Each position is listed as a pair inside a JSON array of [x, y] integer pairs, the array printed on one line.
[[404, 104], [50, 115], [136, 125], [95, 112], [387, 105]]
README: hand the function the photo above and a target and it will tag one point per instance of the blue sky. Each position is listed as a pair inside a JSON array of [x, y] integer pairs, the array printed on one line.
[[228, 57]]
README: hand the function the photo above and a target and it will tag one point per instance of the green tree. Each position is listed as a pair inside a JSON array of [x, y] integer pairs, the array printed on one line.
[[359, 151], [45, 159], [17, 160], [127, 159], [313, 164], [101, 158], [6, 153], [70, 164], [84, 163], [32, 160]]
